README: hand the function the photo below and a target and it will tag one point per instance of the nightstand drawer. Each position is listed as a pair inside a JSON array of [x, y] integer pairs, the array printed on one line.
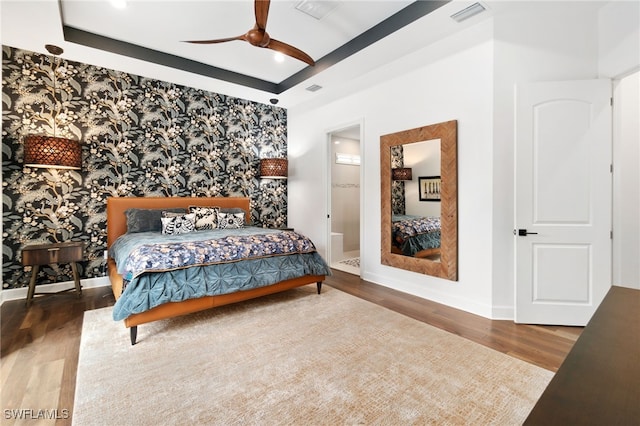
[[45, 254]]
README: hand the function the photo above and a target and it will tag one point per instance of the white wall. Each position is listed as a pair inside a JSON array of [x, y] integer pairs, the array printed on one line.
[[544, 42], [457, 84], [345, 194], [472, 78], [626, 182], [618, 39], [549, 41], [619, 59]]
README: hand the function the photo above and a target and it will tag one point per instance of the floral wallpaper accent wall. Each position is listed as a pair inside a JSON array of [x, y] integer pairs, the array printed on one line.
[[140, 137], [398, 203]]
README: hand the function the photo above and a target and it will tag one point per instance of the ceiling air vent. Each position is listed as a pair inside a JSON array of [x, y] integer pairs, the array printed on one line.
[[314, 88], [468, 12], [316, 9]]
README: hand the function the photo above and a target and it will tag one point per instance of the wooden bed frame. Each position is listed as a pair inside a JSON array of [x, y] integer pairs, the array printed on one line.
[[421, 254], [117, 225]]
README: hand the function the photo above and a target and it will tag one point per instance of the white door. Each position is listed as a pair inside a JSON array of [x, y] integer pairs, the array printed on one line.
[[563, 200]]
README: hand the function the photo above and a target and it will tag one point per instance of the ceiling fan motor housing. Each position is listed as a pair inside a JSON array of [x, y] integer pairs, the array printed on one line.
[[258, 37]]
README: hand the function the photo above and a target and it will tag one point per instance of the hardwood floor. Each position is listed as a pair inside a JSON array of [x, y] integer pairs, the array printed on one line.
[[544, 346], [39, 354], [40, 344]]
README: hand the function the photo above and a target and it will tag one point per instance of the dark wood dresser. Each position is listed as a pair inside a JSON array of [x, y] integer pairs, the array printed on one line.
[[599, 381]]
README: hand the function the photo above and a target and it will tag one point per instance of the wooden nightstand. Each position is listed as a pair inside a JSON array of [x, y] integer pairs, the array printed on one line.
[[46, 254]]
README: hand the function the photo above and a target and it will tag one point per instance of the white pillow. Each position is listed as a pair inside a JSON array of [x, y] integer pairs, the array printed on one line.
[[205, 217], [182, 224], [230, 220]]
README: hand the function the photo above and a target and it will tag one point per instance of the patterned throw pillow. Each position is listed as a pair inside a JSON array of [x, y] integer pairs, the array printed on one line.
[[145, 220], [182, 224], [230, 220], [206, 217]]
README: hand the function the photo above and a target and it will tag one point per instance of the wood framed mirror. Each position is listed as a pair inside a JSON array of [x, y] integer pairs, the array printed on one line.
[[409, 226]]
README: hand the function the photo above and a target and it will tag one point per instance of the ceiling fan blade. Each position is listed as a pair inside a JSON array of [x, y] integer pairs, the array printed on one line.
[[290, 51], [261, 8], [257, 36], [218, 40]]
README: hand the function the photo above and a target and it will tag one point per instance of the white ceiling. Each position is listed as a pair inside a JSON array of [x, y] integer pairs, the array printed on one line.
[[162, 25]]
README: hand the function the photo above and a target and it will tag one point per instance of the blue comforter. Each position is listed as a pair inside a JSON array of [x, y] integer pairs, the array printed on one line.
[[159, 268], [412, 234]]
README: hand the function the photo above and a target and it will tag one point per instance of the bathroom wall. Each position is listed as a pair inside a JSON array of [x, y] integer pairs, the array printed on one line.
[[345, 194]]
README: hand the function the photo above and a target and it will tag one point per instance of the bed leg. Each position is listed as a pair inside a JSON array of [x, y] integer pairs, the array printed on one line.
[[319, 285], [134, 333]]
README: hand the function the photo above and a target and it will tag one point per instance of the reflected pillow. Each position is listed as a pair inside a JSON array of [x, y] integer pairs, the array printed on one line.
[[146, 220], [182, 224]]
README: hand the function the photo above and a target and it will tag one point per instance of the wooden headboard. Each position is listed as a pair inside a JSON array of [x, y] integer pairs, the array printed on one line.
[[116, 206]]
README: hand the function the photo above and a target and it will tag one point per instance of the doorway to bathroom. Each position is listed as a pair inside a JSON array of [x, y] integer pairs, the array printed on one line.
[[345, 176]]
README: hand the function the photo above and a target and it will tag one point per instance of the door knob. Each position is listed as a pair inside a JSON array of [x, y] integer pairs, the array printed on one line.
[[523, 232]]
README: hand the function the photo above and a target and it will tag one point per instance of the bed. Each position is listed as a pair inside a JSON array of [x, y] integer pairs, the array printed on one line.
[[201, 269], [416, 236]]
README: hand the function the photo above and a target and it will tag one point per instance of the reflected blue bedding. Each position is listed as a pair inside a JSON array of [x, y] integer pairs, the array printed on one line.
[[412, 234]]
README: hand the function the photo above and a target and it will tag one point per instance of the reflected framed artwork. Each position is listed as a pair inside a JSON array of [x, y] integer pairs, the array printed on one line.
[[429, 188]]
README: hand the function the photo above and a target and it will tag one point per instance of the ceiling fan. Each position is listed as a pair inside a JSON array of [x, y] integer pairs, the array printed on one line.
[[258, 36]]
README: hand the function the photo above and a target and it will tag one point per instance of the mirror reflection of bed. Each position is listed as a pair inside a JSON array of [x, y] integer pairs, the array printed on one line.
[[416, 236], [415, 204], [419, 193]]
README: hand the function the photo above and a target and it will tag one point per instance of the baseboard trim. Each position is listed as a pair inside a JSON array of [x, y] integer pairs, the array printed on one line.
[[456, 302], [502, 313], [21, 293]]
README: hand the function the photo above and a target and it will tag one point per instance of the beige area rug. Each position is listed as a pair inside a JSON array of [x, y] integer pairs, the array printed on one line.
[[296, 358]]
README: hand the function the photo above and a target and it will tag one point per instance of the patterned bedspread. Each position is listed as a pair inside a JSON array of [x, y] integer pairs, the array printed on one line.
[[159, 268], [153, 251], [415, 233], [409, 226]]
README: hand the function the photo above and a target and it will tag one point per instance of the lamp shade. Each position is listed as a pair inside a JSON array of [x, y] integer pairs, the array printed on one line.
[[274, 168], [401, 173], [52, 152]]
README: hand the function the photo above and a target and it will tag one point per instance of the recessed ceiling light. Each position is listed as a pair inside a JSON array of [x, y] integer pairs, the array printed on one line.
[[119, 4], [279, 57]]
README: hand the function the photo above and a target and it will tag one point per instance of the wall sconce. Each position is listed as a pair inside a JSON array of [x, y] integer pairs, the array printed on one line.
[[274, 168], [401, 173], [52, 151]]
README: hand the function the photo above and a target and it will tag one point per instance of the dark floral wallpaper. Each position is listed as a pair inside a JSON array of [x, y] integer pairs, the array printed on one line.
[[140, 137], [398, 203]]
